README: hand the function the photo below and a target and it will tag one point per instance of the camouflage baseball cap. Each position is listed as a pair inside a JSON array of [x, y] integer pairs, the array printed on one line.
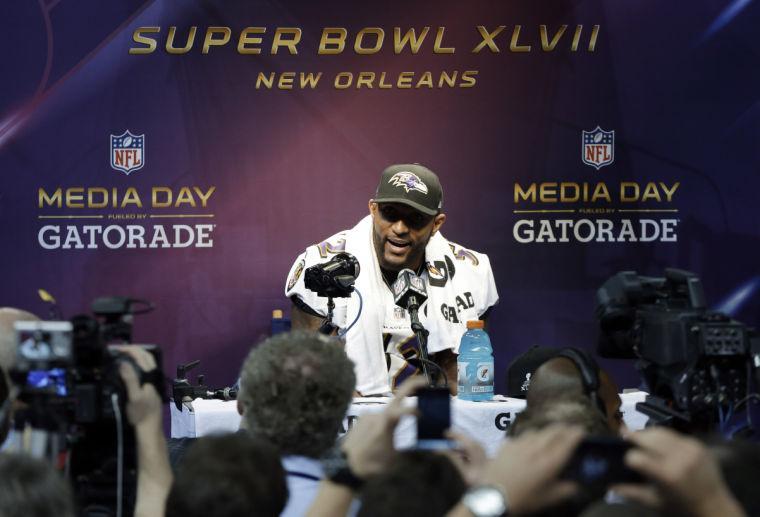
[[411, 184]]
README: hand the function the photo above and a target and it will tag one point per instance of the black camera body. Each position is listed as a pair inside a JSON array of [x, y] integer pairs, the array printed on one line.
[[695, 362], [334, 278], [68, 376], [82, 370]]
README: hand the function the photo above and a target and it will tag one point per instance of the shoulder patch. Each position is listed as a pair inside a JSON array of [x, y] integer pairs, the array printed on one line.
[[296, 274], [461, 253], [331, 246]]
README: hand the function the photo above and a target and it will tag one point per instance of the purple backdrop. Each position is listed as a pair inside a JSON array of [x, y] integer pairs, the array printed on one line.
[[677, 83]]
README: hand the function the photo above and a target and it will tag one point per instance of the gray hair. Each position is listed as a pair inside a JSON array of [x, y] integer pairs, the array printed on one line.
[[31, 488], [295, 389], [568, 410]]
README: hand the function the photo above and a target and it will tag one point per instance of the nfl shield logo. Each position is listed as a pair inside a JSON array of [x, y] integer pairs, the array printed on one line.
[[598, 147], [127, 152]]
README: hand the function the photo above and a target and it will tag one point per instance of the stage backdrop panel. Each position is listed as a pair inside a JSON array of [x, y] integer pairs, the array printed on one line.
[[573, 140]]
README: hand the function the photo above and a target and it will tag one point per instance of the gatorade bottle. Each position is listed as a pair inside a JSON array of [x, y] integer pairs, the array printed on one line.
[[475, 364], [278, 324]]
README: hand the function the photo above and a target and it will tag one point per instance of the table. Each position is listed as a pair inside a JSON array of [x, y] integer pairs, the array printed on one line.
[[486, 422]]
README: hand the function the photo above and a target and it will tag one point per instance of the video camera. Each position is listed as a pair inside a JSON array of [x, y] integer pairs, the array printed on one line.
[[334, 278], [74, 399], [697, 364]]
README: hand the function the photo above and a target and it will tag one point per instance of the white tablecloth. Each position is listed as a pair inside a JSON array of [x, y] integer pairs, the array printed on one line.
[[487, 422]]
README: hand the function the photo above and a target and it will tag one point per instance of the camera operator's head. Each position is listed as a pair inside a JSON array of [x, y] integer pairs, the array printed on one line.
[[575, 410], [563, 376], [295, 389], [31, 488], [227, 476]]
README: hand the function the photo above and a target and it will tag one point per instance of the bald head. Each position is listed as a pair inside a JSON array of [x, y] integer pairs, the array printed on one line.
[[556, 377], [9, 316], [560, 377]]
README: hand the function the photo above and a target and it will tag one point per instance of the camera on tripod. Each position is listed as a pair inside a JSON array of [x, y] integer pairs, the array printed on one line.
[[698, 364]]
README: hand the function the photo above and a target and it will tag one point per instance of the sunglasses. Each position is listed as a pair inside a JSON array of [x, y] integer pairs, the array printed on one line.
[[411, 217]]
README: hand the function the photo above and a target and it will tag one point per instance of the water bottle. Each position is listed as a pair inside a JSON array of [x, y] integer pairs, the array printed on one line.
[[278, 324], [475, 364]]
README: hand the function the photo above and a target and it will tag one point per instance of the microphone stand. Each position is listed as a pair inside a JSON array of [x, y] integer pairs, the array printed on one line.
[[328, 327], [422, 335]]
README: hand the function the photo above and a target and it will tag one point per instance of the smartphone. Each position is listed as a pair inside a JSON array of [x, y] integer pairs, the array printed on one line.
[[598, 462], [434, 407]]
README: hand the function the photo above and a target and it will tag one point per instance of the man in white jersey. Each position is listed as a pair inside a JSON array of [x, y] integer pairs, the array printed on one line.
[[402, 231]]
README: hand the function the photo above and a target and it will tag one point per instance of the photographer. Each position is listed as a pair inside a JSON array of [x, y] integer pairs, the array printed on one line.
[[154, 475]]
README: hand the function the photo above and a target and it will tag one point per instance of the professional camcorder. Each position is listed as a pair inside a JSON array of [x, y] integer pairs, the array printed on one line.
[[698, 364], [334, 278], [74, 399]]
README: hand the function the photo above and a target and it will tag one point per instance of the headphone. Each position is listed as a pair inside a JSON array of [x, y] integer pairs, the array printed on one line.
[[589, 374]]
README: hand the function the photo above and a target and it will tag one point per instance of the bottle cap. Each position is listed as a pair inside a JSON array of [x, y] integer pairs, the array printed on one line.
[[475, 324], [277, 314]]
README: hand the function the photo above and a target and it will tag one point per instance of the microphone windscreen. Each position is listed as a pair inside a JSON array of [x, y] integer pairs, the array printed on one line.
[[408, 284]]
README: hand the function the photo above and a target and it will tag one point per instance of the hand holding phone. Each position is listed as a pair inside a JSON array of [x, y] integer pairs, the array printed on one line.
[[434, 418], [598, 462]]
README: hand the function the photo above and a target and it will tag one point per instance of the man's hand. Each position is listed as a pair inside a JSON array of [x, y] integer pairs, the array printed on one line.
[[143, 402], [154, 475], [527, 468], [469, 457], [447, 361], [369, 443], [684, 473], [369, 450]]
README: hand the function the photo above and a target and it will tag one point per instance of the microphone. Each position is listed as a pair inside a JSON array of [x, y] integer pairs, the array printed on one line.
[[409, 290], [334, 278]]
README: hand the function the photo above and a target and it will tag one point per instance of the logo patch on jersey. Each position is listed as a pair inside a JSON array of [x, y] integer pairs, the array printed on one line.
[[408, 181], [399, 313], [439, 272], [436, 273], [296, 274]]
